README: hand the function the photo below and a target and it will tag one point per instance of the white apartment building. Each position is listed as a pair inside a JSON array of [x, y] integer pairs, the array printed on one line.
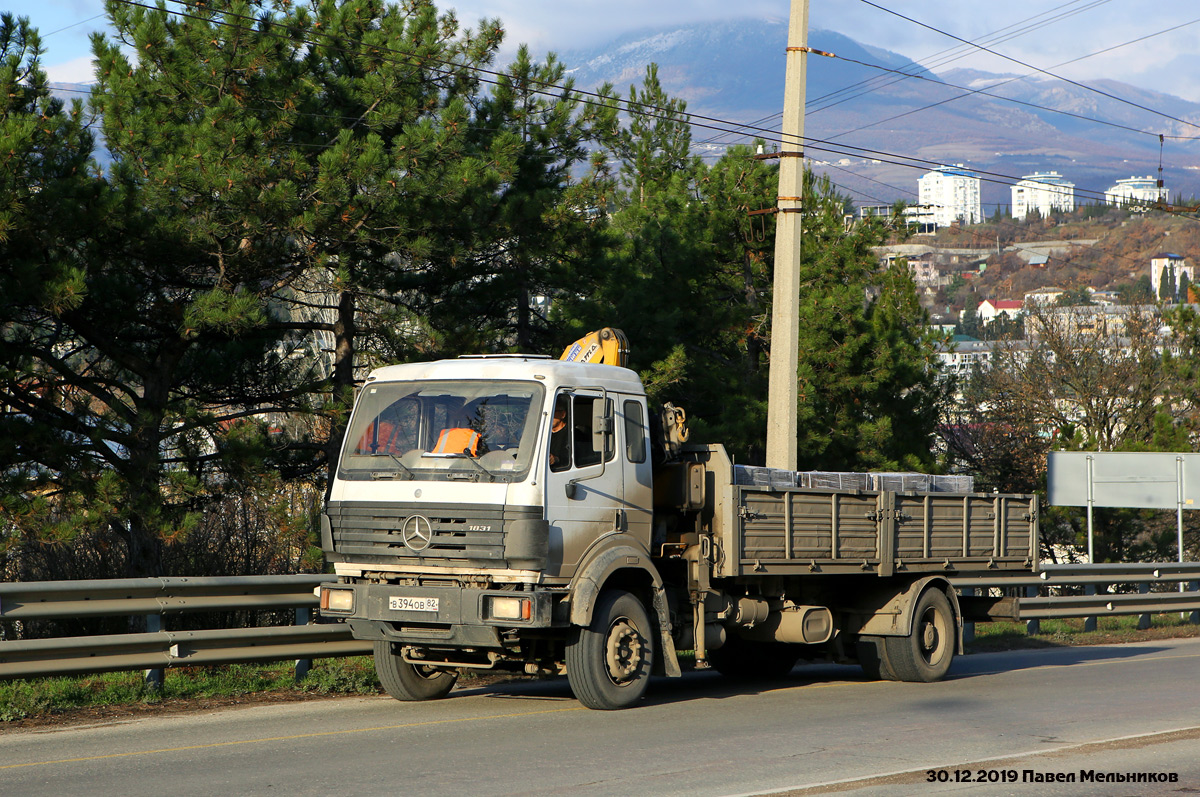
[[1176, 263], [1043, 192], [1135, 190], [953, 195]]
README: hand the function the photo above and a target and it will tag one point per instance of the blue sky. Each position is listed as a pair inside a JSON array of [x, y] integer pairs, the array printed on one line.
[[1168, 62]]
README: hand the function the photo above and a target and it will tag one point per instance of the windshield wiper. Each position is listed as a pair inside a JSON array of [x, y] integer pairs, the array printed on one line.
[[491, 476], [399, 464]]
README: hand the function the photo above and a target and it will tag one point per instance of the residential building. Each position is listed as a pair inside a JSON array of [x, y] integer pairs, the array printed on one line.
[[1043, 296], [1176, 267], [917, 216], [953, 194], [1044, 192], [963, 354], [1100, 321], [990, 309], [1135, 190], [1038, 253], [934, 266]]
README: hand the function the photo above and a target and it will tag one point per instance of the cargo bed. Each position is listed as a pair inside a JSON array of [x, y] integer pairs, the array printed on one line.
[[784, 530]]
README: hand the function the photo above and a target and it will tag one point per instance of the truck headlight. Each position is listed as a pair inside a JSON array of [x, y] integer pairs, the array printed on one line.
[[500, 608], [337, 600]]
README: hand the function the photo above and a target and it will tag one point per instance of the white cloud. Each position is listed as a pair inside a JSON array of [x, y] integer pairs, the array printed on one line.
[[78, 70]]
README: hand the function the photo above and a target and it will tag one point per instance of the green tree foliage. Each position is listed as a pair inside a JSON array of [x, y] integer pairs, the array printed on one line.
[[50, 228], [1076, 297], [148, 392], [1140, 291], [687, 270], [1181, 362], [1005, 327], [1083, 380], [1166, 284], [969, 324], [265, 158], [869, 394], [535, 234], [690, 278]]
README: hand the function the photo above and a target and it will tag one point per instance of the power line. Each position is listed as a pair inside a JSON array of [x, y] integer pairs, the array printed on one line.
[[655, 111], [970, 92], [1031, 66], [72, 25], [1003, 99], [492, 77], [812, 105], [952, 54]]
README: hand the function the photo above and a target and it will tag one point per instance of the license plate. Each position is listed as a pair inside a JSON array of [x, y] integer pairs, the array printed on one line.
[[400, 603]]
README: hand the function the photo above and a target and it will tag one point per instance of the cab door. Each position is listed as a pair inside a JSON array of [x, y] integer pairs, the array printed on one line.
[[584, 489], [634, 458]]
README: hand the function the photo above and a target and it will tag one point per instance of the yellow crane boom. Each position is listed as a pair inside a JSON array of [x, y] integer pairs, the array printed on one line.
[[607, 346]]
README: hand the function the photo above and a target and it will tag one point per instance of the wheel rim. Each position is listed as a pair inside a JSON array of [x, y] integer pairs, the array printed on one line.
[[428, 673], [624, 652], [934, 636]]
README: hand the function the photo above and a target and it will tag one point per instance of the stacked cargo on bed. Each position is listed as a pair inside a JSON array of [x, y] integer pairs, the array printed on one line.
[[778, 479]]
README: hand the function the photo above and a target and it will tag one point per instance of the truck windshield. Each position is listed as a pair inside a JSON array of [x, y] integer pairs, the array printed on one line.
[[465, 430]]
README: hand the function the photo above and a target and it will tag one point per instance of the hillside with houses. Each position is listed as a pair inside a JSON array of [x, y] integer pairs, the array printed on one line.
[[1093, 255]]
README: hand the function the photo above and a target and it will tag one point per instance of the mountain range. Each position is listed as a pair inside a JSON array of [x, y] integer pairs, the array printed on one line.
[[869, 118], [875, 132]]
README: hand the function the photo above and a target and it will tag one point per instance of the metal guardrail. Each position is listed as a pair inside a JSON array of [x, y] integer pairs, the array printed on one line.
[[1052, 575], [1097, 601], [157, 649], [159, 597], [39, 600]]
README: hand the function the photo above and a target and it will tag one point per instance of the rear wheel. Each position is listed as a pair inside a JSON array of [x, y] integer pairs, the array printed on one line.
[[405, 681], [926, 653], [608, 663]]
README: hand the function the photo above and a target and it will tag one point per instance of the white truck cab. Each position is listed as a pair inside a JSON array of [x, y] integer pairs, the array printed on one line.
[[453, 510], [471, 494]]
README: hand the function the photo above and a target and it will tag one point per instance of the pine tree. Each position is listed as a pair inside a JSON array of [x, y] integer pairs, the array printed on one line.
[[690, 280], [868, 396], [1166, 284], [535, 235], [268, 161], [50, 208]]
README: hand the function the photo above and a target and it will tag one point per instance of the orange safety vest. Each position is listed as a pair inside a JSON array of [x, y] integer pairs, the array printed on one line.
[[459, 440]]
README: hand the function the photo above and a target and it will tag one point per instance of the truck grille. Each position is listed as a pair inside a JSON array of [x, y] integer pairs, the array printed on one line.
[[455, 534]]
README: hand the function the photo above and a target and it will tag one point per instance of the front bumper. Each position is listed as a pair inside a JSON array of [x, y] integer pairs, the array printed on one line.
[[443, 616]]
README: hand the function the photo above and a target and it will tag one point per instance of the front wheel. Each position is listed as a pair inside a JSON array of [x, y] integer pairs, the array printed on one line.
[[608, 663], [405, 681], [926, 653]]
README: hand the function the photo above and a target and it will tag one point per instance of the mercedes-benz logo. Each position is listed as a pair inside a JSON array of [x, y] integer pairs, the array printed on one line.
[[417, 533]]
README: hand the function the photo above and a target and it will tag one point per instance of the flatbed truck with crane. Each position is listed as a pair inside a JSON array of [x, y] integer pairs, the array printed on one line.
[[516, 512]]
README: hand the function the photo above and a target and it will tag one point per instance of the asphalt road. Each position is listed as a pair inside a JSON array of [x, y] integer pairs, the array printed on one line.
[[1110, 710]]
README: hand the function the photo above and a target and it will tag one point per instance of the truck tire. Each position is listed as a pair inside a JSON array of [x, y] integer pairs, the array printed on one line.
[[608, 663], [926, 653], [748, 659], [405, 681]]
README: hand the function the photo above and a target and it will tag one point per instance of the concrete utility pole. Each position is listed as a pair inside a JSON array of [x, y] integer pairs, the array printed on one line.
[[783, 392]]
